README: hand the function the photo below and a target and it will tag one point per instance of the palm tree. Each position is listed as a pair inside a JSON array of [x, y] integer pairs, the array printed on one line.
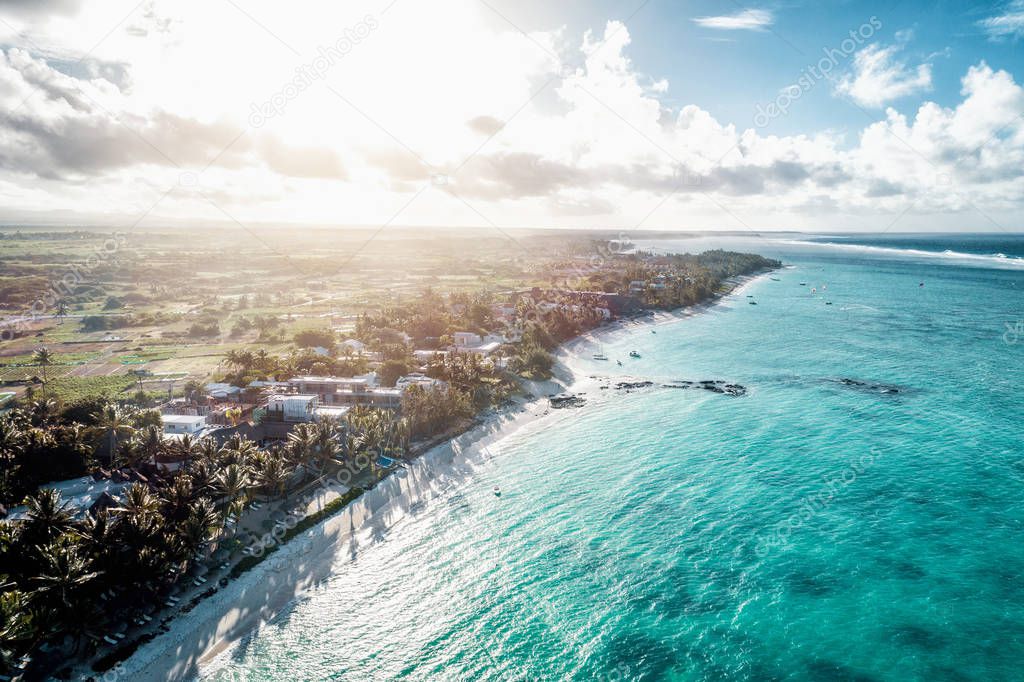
[[325, 443], [150, 443], [139, 506], [12, 441], [114, 423], [47, 517], [199, 527], [19, 626], [300, 444], [42, 410], [63, 584], [187, 447], [271, 473], [232, 482], [203, 475], [177, 498], [44, 359]]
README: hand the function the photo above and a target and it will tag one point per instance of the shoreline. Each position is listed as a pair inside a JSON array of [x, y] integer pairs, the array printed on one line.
[[197, 638]]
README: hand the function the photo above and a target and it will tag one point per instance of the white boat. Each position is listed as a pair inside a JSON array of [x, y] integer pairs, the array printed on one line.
[[497, 491], [600, 356]]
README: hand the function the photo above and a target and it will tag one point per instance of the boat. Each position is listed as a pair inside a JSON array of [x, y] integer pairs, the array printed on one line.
[[752, 302], [828, 302], [653, 332], [803, 284], [600, 356], [750, 296], [633, 354], [775, 279], [497, 491], [619, 362]]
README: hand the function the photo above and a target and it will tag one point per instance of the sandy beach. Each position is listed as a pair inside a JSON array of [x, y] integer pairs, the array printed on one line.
[[258, 595]]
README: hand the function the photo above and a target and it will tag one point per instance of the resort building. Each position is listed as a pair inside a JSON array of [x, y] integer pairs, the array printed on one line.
[[466, 339], [347, 391], [425, 356], [221, 391], [80, 494], [357, 347], [419, 379], [180, 424], [291, 408], [468, 342]]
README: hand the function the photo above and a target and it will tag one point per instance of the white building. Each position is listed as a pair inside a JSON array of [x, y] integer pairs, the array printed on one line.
[[293, 408], [418, 379], [425, 356], [354, 345], [334, 391], [466, 339], [221, 391], [80, 494], [180, 424]]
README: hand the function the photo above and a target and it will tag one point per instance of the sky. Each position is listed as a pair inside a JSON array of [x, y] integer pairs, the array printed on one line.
[[614, 114]]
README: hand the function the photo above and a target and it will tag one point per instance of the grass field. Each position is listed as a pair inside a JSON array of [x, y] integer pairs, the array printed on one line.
[[168, 310]]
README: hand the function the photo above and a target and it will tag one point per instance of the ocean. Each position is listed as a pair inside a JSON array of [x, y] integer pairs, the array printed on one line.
[[858, 514]]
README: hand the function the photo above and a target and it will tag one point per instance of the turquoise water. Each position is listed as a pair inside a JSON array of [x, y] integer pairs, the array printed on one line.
[[809, 530]]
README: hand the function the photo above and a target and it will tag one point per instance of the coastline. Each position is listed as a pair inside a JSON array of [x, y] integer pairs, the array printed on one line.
[[196, 638], [255, 597]]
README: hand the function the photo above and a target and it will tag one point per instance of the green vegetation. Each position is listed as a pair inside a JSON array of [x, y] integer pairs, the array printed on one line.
[[56, 563], [74, 388]]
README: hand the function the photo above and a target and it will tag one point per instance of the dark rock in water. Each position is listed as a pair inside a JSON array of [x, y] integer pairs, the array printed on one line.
[[628, 385], [713, 385], [563, 400], [871, 387]]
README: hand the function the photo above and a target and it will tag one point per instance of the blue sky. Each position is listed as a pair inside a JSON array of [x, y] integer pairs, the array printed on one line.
[[728, 72]]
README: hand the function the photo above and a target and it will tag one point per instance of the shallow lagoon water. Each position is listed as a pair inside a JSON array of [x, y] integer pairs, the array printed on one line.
[[856, 515]]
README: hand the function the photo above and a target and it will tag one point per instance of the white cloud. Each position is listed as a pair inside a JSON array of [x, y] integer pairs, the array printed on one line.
[[879, 76], [747, 20], [1009, 24], [598, 145]]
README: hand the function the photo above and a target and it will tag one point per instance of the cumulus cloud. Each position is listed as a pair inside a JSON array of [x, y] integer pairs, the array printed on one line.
[[41, 8], [601, 144], [1009, 24], [879, 76], [747, 20], [54, 125], [615, 139]]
